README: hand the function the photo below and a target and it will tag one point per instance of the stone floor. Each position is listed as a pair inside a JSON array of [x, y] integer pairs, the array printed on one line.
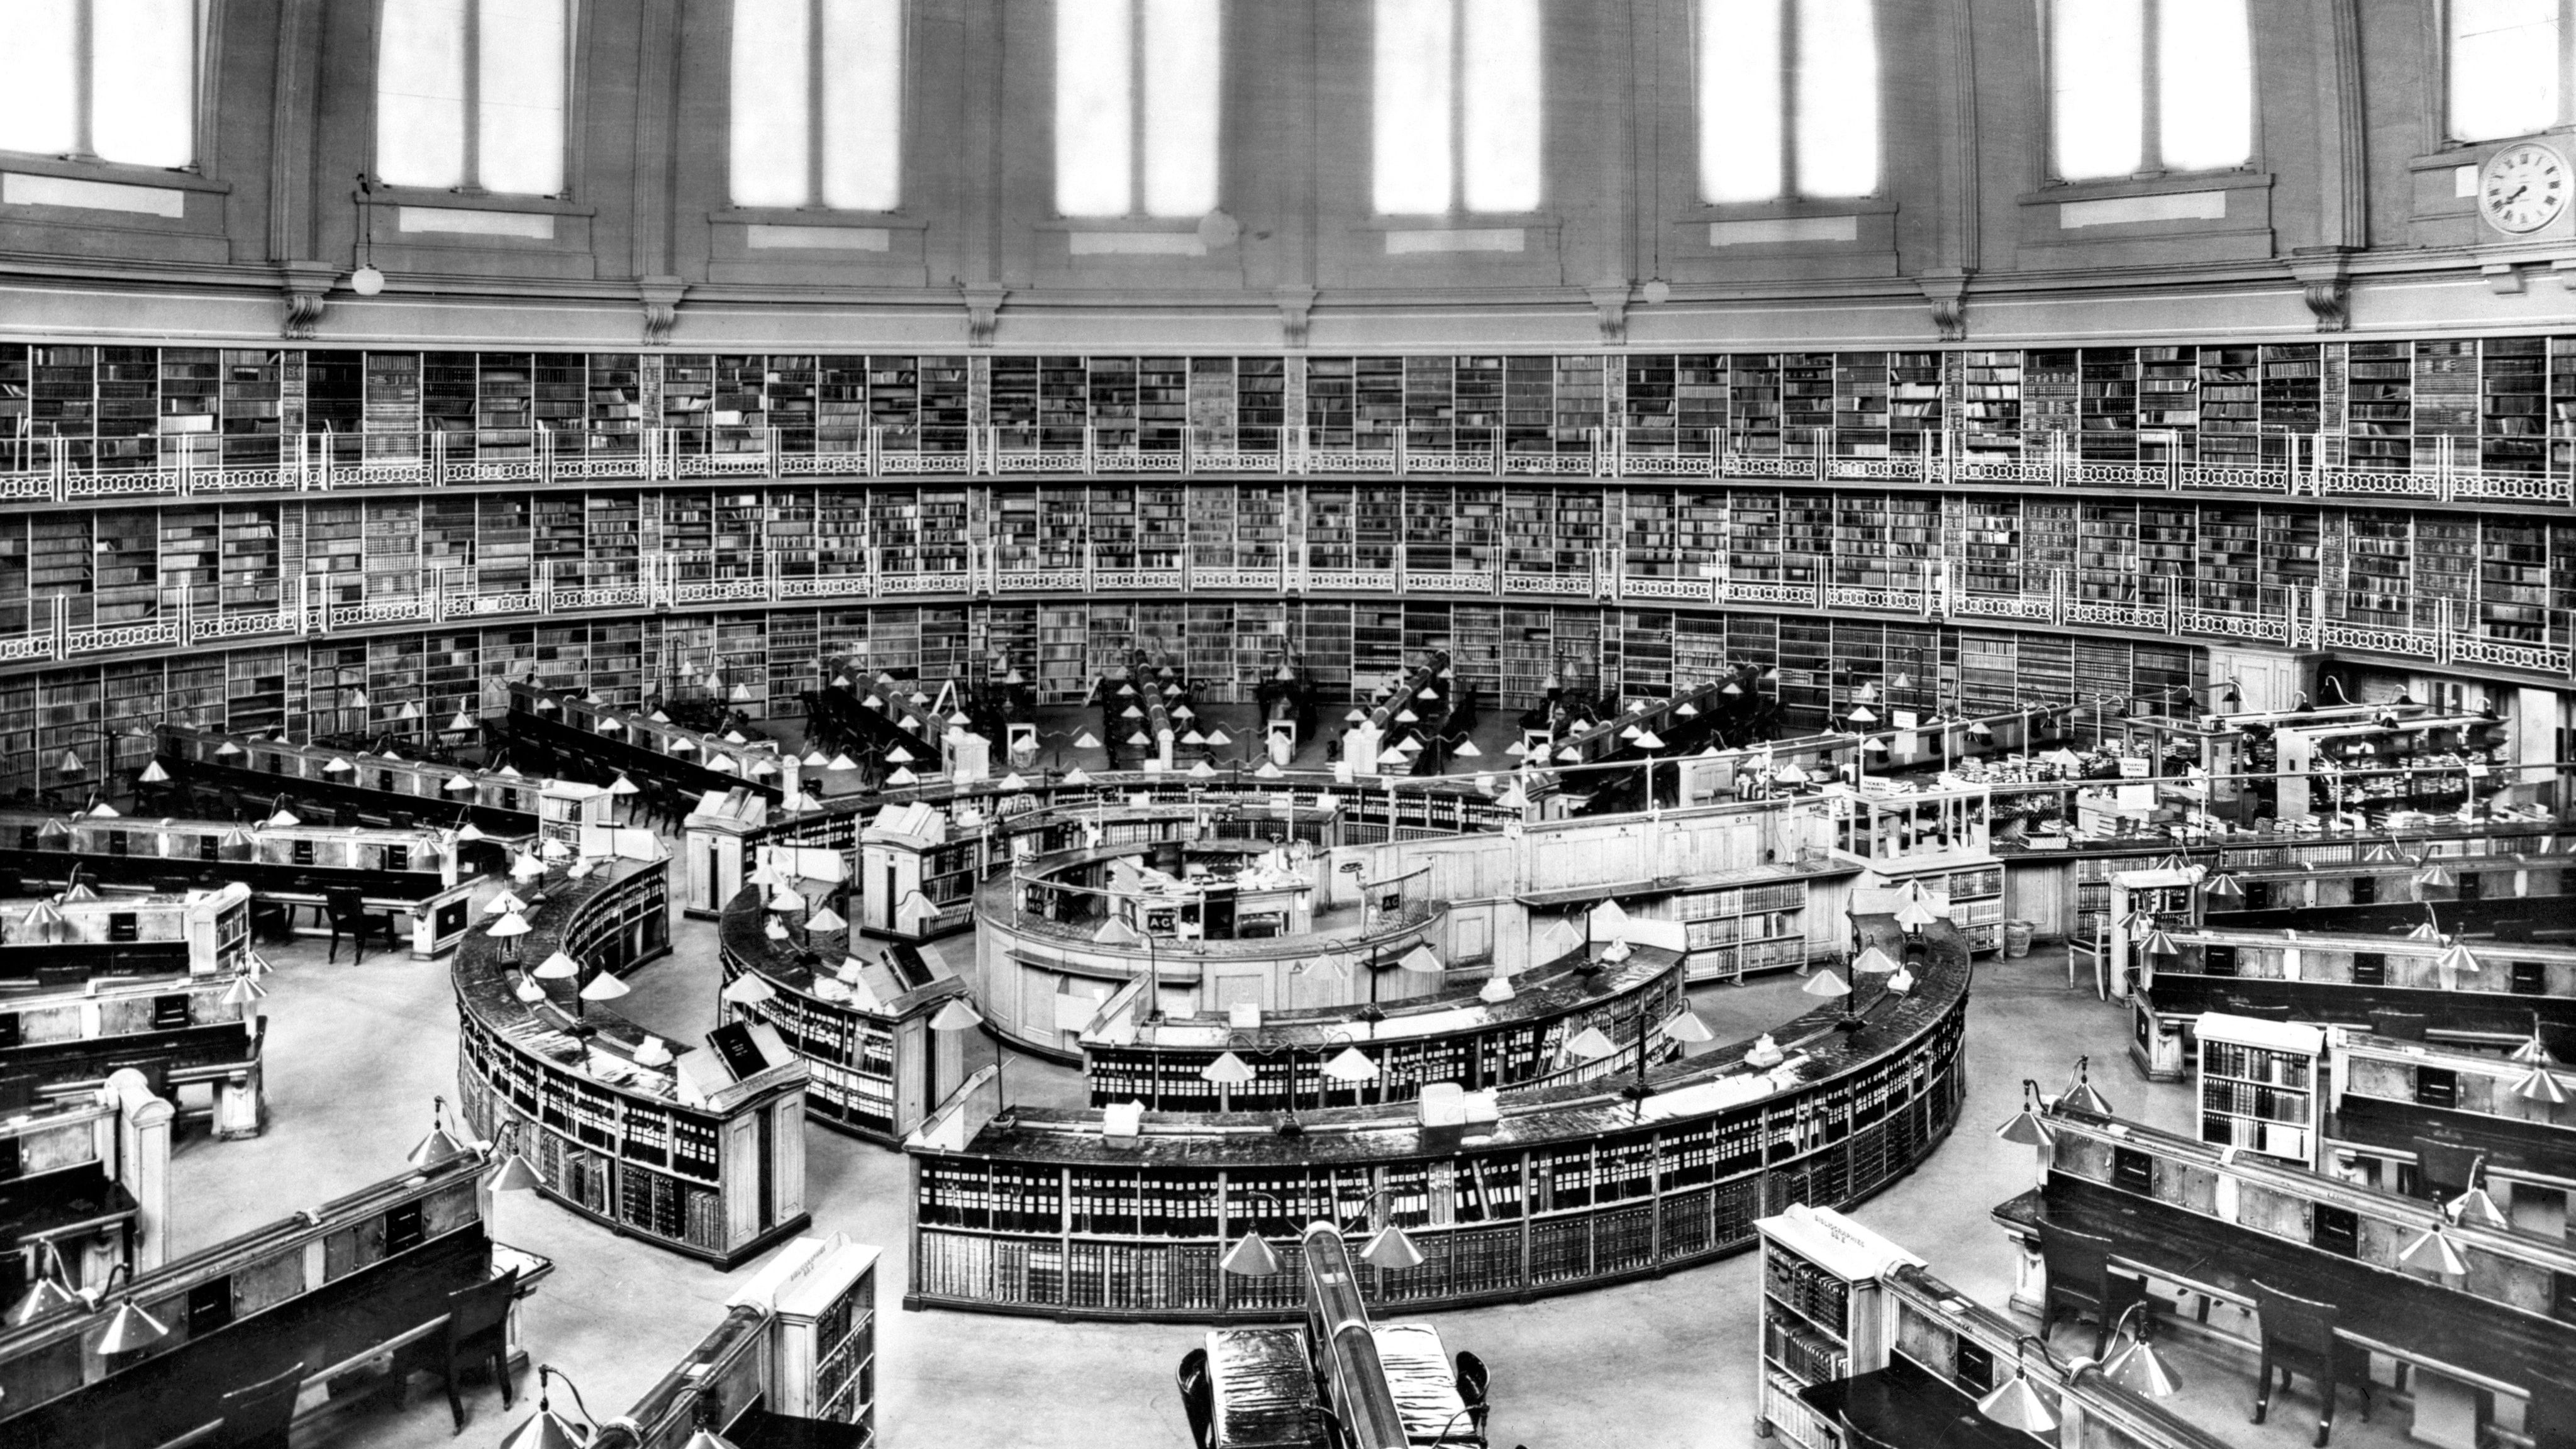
[[357, 1052]]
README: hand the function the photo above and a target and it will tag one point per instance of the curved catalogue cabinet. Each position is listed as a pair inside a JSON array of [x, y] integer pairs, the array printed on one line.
[[1453, 1037], [1571, 1188], [864, 1044], [686, 1156]]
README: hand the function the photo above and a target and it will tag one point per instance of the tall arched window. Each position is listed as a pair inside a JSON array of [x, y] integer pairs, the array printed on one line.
[[1137, 90], [2506, 58], [1457, 100], [818, 104], [106, 80], [2144, 86], [470, 94], [1788, 99]]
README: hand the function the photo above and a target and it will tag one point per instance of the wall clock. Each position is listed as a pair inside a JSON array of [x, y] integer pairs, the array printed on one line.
[[2523, 187]]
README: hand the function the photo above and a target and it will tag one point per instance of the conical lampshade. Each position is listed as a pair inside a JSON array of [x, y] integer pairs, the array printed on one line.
[[558, 967], [604, 987], [706, 1438], [1392, 1250], [1874, 962], [130, 1328], [1825, 983], [2222, 887], [1685, 1026], [243, 991], [2016, 1405], [2434, 1252], [2540, 1085], [1591, 1044], [546, 1431], [1227, 1070], [2026, 1126], [438, 1146], [1250, 1258], [1351, 1065], [2456, 957], [2476, 1209], [2141, 1370], [749, 989], [46, 1297], [516, 1174]]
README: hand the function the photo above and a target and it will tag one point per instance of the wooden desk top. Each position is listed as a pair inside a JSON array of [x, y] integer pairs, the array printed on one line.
[[1902, 1407], [1262, 1388], [2513, 1146], [2396, 1313]]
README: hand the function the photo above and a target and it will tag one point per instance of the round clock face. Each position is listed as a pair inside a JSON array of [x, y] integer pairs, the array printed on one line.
[[2523, 188]]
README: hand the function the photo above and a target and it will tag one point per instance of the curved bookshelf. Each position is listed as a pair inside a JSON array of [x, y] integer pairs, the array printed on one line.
[[1572, 1187], [642, 1148]]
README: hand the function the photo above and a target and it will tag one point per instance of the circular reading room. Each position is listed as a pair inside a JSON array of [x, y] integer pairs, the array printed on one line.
[[1317, 724]]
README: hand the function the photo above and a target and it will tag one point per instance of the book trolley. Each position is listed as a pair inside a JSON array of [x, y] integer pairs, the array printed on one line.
[[698, 1151]]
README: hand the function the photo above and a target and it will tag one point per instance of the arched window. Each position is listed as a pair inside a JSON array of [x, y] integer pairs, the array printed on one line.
[[470, 94], [1457, 100], [818, 104], [2506, 57], [106, 80], [2144, 86], [1137, 89], [1788, 99]]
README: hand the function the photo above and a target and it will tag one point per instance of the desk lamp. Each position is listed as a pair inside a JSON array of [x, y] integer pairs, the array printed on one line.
[[548, 1429], [2138, 1367], [2028, 1126], [48, 1293], [2081, 1094], [1251, 1257], [440, 1145], [2433, 1250], [129, 1328], [515, 1172], [2014, 1403]]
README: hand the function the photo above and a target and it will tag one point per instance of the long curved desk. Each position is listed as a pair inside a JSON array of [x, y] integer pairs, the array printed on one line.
[[1570, 1187], [648, 1150]]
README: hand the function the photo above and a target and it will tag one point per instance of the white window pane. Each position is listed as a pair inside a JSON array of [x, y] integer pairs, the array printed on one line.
[[2504, 67], [1837, 98], [863, 104], [143, 81], [1409, 95], [2205, 70], [1094, 86], [36, 87], [1501, 132], [769, 78], [523, 74], [2098, 74], [1739, 100], [420, 93], [1184, 76]]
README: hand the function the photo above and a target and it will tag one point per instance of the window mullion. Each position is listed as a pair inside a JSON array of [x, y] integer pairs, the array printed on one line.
[[473, 148], [1137, 72], [84, 79], [2151, 87], [1458, 82], [1790, 31], [814, 122]]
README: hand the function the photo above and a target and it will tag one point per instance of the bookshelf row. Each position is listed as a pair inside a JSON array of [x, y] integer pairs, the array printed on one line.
[[2393, 405], [2512, 577], [1506, 653]]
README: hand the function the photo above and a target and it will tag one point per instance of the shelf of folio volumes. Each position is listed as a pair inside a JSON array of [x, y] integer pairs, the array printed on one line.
[[861, 1025], [1454, 1037], [697, 1150], [1113, 1214]]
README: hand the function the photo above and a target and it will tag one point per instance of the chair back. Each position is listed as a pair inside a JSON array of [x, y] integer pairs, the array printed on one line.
[[257, 1417], [2296, 1331], [2078, 1261], [1473, 1380], [481, 1309], [2398, 1025], [2443, 1171], [1198, 1397]]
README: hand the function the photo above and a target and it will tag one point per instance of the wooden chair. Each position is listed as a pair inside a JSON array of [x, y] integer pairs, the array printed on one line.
[[478, 1336], [1198, 1397], [351, 918], [2080, 1281], [257, 1417], [2299, 1338], [2442, 1171], [1475, 1386]]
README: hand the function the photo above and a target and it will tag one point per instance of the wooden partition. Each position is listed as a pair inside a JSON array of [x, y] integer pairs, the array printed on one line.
[[85, 1184], [383, 789], [1053, 1212], [335, 1288]]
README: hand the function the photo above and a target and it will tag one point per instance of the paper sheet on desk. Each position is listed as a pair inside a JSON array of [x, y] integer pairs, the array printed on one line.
[[1701, 1098]]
